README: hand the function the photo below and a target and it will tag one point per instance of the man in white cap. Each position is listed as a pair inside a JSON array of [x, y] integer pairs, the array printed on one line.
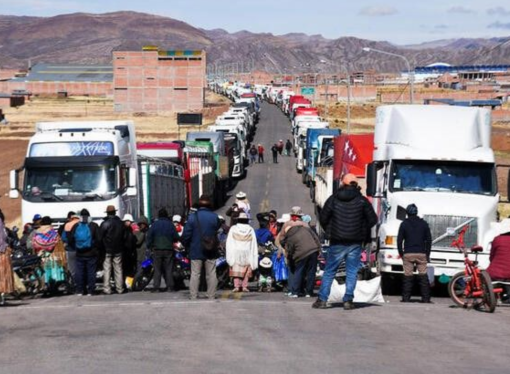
[[348, 218], [295, 220], [177, 221], [243, 203]]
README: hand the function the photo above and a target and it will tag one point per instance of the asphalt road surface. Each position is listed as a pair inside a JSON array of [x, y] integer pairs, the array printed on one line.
[[268, 185], [249, 333]]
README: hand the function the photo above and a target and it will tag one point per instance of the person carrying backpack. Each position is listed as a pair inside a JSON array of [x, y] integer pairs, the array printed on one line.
[[84, 238]]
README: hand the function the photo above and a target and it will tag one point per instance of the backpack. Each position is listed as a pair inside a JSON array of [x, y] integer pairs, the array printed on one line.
[[82, 237], [45, 241], [253, 151]]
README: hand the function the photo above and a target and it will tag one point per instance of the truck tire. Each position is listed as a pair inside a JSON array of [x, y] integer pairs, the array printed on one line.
[[391, 284]]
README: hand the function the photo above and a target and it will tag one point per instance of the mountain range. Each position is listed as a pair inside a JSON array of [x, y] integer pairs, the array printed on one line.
[[90, 38]]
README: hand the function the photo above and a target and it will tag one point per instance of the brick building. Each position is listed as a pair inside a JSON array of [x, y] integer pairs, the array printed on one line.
[[153, 80]]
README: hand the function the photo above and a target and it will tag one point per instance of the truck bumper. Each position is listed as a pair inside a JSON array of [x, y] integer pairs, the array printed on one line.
[[447, 263]]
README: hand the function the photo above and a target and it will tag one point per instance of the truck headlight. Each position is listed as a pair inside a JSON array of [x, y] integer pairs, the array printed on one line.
[[390, 240]]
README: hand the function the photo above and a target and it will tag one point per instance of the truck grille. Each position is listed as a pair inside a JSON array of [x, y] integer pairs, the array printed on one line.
[[439, 225]]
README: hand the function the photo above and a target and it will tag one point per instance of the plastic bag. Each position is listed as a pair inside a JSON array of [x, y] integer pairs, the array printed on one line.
[[280, 269], [365, 292]]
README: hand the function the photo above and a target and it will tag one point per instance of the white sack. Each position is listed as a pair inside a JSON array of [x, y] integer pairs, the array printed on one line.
[[365, 292]]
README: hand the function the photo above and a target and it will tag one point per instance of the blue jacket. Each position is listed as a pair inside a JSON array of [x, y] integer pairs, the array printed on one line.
[[162, 235], [263, 236], [191, 238]]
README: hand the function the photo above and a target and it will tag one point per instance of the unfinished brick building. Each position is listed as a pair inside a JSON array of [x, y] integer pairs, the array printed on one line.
[[153, 80]]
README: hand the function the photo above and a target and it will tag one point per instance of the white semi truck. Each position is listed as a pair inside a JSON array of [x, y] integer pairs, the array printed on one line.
[[439, 158], [74, 165]]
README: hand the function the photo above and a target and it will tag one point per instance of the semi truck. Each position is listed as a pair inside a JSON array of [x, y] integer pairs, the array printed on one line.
[[319, 150], [74, 165], [439, 158], [162, 185], [222, 165], [351, 154]]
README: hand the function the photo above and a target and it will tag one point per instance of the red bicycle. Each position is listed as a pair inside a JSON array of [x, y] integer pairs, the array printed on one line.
[[472, 288]]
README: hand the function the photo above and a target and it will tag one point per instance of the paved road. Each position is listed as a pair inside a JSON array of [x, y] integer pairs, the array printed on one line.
[[273, 186], [252, 333]]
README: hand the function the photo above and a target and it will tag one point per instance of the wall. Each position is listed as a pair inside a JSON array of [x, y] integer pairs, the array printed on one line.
[[148, 81]]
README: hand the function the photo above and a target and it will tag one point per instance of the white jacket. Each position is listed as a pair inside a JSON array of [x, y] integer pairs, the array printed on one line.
[[241, 246]]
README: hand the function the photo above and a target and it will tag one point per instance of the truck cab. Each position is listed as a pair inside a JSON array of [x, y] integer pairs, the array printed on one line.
[[300, 141], [74, 165], [439, 158]]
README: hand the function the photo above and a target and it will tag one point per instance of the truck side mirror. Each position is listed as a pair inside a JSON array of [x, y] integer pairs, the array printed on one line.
[[13, 181], [133, 176], [372, 179]]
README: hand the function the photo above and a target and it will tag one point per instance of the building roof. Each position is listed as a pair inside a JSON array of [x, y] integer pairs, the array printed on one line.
[[68, 73]]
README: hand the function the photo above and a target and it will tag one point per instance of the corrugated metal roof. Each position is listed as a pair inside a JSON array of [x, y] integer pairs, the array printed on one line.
[[68, 73]]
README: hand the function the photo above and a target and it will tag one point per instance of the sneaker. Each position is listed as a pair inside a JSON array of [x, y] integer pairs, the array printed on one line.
[[348, 305], [293, 296], [246, 290], [236, 290], [319, 304], [107, 292]]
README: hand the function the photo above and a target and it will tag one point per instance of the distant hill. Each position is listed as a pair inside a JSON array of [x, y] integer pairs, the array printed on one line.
[[90, 38]]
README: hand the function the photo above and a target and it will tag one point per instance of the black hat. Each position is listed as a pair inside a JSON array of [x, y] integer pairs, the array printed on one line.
[[412, 210], [46, 221]]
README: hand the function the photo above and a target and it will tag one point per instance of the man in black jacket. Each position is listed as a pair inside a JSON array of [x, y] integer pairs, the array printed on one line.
[[111, 235], [85, 246], [347, 216], [160, 239], [414, 242]]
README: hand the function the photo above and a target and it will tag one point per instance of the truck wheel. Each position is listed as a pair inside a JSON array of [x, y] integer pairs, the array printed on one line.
[[391, 284]]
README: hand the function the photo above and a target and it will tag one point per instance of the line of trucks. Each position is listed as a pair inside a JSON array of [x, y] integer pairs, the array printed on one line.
[[92, 164], [437, 157]]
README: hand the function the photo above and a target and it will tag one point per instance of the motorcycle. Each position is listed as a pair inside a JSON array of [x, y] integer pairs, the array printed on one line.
[[27, 267], [181, 272]]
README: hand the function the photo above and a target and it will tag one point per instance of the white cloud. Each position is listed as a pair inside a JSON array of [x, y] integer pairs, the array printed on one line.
[[378, 10], [498, 11], [460, 10], [499, 25]]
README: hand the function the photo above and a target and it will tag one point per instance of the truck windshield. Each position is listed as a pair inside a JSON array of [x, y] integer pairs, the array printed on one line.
[[68, 183], [443, 176]]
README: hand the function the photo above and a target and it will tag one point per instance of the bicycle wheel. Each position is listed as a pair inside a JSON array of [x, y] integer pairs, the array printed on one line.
[[457, 287], [488, 302]]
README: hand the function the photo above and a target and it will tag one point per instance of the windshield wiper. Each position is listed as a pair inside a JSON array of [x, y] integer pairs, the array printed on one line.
[[45, 195], [94, 196]]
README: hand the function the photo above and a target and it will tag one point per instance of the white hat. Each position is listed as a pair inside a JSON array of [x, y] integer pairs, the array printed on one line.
[[176, 218], [296, 211], [241, 195], [284, 218], [266, 263], [128, 217], [243, 215]]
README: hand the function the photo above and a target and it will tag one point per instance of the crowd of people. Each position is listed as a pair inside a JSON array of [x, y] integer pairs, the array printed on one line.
[[121, 245]]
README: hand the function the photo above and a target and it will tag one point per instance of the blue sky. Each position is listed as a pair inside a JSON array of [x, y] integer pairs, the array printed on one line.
[[399, 22]]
